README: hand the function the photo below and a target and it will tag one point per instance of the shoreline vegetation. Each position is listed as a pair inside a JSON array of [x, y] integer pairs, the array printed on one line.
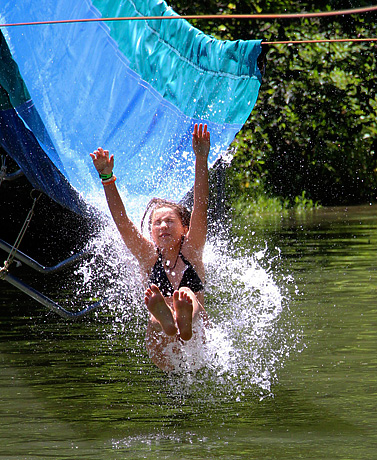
[[311, 139]]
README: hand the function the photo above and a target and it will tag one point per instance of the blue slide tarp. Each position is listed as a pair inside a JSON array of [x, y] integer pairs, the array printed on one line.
[[135, 88]]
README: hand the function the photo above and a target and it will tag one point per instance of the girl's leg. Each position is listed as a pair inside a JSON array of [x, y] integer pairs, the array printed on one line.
[[161, 348], [164, 349], [161, 335]]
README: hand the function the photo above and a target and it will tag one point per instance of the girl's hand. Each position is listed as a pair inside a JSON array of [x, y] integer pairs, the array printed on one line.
[[201, 141], [102, 162]]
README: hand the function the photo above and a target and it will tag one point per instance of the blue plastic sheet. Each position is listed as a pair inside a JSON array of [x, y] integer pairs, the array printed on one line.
[[135, 88]]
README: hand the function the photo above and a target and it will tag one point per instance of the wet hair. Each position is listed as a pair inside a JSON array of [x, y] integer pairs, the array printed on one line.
[[157, 203]]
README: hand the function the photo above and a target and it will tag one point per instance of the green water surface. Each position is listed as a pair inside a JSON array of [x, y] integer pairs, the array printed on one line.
[[82, 391]]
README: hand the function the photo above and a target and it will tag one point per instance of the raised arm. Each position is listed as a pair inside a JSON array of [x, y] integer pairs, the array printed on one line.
[[198, 225], [140, 247]]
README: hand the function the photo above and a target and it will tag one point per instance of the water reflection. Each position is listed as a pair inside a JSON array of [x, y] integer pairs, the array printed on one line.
[[88, 389]]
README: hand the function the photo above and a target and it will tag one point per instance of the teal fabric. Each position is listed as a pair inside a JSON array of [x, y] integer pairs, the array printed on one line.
[[198, 74], [136, 88]]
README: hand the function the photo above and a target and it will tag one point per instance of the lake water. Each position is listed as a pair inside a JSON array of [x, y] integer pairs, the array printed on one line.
[[290, 369]]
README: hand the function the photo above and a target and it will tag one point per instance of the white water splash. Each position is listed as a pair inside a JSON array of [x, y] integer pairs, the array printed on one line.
[[247, 342], [251, 334]]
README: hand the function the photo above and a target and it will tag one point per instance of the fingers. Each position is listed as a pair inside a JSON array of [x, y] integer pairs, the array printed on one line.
[[200, 130], [206, 133], [100, 153], [103, 163]]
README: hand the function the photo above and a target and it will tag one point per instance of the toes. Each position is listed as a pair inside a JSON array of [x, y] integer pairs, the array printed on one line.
[[183, 295], [154, 289], [147, 297]]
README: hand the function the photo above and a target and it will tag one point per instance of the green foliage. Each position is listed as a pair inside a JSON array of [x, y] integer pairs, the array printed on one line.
[[304, 204], [265, 207], [320, 124], [260, 207], [313, 128]]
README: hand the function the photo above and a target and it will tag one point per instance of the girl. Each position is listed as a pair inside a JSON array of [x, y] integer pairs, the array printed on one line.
[[172, 260]]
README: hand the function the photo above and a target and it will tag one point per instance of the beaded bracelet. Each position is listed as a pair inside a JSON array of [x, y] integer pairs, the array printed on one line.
[[111, 180]]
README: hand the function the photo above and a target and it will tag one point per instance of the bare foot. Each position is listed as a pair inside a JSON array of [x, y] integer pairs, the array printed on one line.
[[156, 304], [182, 303]]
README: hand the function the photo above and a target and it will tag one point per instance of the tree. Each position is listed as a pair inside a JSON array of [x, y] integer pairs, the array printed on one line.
[[313, 128]]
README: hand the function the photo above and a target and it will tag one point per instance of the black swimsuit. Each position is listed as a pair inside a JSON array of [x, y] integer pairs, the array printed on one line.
[[189, 279]]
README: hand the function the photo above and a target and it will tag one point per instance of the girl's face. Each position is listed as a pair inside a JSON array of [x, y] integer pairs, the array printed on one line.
[[167, 229]]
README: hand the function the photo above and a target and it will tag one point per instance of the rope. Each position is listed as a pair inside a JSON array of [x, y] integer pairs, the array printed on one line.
[[12, 253], [321, 40], [204, 16]]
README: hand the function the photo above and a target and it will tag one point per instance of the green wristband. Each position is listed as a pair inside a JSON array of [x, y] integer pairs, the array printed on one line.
[[106, 176]]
